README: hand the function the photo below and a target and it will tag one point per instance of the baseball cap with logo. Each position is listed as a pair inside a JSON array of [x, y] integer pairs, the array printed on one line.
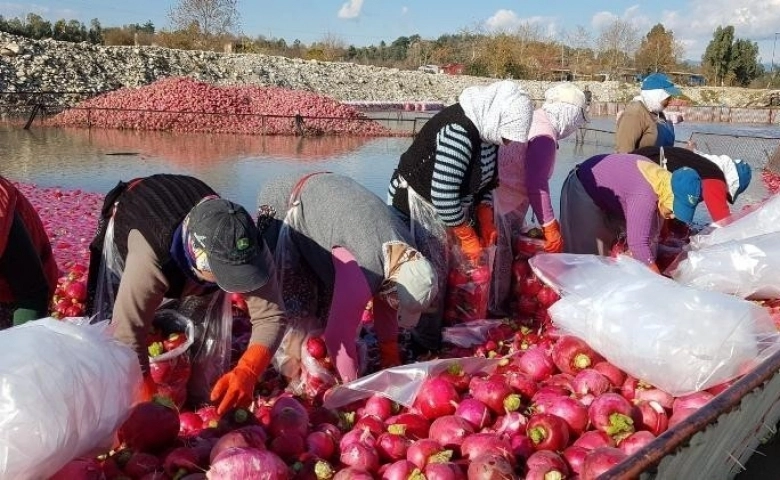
[[686, 187], [226, 232]]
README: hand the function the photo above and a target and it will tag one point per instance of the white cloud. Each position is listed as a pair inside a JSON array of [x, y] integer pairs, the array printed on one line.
[[404, 10], [351, 9], [507, 21]]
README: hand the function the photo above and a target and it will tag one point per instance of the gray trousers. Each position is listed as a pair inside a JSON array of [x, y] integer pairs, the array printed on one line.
[[585, 227]]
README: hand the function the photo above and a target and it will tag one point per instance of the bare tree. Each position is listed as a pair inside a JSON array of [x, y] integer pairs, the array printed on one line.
[[580, 40], [212, 17], [616, 45]]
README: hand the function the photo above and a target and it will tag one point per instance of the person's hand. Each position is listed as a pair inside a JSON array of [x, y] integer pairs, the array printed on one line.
[[487, 224], [468, 241], [389, 354], [553, 238], [235, 388]]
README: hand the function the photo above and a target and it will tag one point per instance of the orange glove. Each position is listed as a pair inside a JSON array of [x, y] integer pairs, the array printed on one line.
[[552, 235], [468, 241], [389, 355], [236, 387], [487, 224], [148, 389]]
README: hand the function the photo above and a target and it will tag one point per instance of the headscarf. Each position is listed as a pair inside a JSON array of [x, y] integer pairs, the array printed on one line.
[[501, 110], [565, 106], [653, 99]]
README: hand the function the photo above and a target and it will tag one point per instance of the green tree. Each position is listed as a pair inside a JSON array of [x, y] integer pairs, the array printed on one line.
[[744, 63], [718, 55], [95, 33], [658, 51], [37, 26]]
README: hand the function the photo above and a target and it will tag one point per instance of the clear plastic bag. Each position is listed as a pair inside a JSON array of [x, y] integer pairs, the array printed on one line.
[[212, 316], [678, 338], [171, 370], [287, 359], [315, 378], [759, 220], [468, 287], [66, 388], [747, 268], [401, 384]]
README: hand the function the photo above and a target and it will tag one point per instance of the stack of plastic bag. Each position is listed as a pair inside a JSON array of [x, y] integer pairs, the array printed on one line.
[[64, 390], [680, 339], [740, 256]]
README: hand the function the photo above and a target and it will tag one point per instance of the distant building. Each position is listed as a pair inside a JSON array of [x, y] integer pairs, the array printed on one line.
[[688, 78], [453, 68]]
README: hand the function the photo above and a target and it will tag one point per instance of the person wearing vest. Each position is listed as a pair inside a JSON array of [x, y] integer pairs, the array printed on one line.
[[452, 168], [611, 193], [177, 238], [723, 179], [643, 123], [28, 270], [525, 170], [359, 250]]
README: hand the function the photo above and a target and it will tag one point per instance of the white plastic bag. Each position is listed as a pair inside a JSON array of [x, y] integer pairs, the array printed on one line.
[[64, 390], [759, 220], [747, 268], [678, 338], [469, 334], [401, 384]]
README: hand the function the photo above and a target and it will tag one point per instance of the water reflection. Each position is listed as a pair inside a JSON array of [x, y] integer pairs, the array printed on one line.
[[235, 165]]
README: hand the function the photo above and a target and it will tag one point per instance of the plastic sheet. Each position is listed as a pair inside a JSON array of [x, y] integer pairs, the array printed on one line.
[[747, 268], [64, 390], [469, 334], [760, 219], [401, 384], [678, 338]]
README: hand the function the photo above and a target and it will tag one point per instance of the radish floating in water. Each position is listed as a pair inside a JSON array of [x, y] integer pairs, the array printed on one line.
[[600, 460]]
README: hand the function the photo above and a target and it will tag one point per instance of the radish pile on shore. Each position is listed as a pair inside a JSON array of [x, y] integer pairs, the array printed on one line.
[[182, 104]]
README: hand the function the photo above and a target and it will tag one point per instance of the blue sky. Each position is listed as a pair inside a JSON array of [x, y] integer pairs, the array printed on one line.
[[364, 22]]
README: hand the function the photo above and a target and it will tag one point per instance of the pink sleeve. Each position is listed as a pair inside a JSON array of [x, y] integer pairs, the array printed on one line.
[[540, 161], [350, 296]]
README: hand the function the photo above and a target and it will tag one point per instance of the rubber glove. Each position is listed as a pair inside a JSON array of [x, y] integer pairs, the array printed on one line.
[[236, 387], [389, 354], [468, 241], [24, 315], [552, 235], [487, 224]]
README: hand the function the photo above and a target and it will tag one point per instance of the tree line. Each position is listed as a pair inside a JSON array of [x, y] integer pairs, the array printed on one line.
[[616, 51]]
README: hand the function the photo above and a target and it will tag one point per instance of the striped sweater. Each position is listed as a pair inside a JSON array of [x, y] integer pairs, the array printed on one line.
[[452, 181]]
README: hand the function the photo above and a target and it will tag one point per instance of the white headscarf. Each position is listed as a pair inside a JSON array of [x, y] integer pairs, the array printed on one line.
[[501, 110], [565, 107], [652, 99]]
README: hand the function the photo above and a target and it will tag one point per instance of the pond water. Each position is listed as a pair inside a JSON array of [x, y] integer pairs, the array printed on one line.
[[236, 166]]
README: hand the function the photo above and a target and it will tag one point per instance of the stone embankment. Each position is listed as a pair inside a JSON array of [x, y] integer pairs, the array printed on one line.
[[51, 66]]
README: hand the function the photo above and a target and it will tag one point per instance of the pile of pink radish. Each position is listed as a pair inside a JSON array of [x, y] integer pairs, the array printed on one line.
[[182, 104], [771, 181], [552, 409]]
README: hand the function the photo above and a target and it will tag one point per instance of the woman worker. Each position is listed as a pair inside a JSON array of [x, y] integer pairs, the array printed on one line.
[[524, 170], [28, 271], [723, 179], [358, 249], [611, 193], [444, 181]]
